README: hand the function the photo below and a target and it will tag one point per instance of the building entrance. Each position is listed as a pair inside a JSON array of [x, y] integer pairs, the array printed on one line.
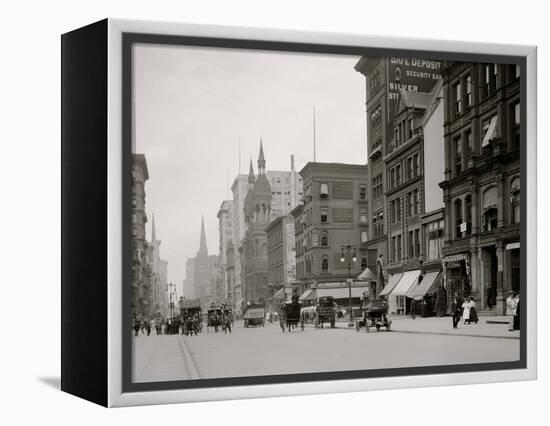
[[489, 276]]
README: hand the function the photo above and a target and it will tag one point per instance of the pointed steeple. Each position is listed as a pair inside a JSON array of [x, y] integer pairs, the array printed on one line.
[[153, 233], [203, 249], [251, 177], [261, 160]]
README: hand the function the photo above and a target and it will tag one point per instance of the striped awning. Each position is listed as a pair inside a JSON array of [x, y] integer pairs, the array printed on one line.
[[308, 295], [426, 286], [392, 282], [455, 258], [407, 281]]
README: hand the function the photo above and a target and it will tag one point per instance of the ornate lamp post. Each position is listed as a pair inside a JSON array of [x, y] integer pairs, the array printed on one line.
[[346, 253]]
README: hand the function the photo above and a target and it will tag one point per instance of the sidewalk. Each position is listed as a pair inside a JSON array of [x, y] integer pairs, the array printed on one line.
[[486, 326]]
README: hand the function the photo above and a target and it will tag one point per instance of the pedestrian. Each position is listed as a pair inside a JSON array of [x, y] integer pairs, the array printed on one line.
[[136, 328], [456, 311], [466, 311], [473, 311], [516, 315], [511, 306], [148, 327], [413, 309]]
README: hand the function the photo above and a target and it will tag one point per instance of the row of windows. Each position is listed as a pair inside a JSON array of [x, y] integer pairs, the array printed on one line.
[[412, 200], [412, 164], [413, 246], [325, 265], [462, 90], [403, 131], [324, 191], [377, 186], [376, 117]]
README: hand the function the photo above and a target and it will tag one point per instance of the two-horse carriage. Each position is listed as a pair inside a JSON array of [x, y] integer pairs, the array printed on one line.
[[375, 314]]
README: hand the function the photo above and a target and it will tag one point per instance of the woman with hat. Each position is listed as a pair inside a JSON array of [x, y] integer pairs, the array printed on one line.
[[511, 306], [473, 311]]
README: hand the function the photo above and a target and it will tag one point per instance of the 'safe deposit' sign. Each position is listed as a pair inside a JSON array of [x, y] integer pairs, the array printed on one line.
[[412, 75]]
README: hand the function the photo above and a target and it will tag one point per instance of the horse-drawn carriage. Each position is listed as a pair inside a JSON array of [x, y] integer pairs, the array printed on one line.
[[191, 317], [375, 314], [254, 314], [326, 311], [290, 316], [214, 318]]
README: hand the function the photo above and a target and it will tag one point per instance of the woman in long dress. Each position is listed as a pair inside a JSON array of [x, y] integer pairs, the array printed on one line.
[[466, 311], [473, 311]]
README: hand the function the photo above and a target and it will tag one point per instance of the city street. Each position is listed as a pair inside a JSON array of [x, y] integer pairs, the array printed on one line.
[[267, 350]]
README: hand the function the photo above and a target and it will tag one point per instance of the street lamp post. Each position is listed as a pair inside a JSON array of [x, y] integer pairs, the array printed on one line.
[[346, 252]]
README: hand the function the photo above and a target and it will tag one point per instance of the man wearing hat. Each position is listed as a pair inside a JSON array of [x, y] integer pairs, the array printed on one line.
[[511, 306]]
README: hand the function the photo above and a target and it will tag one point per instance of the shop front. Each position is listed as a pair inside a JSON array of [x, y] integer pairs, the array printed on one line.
[[456, 277]]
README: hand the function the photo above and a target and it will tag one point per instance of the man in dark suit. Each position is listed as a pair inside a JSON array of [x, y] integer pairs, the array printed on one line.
[[456, 311]]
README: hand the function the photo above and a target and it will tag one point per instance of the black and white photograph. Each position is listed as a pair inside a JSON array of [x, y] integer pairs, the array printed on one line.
[[296, 212]]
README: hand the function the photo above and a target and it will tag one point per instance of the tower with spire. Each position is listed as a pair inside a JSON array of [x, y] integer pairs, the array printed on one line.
[[203, 248], [205, 271]]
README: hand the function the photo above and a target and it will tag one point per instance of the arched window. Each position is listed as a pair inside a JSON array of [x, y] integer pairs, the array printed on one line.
[[362, 192], [324, 264], [324, 239]]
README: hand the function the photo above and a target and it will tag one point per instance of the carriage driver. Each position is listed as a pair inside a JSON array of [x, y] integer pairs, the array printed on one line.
[[365, 299]]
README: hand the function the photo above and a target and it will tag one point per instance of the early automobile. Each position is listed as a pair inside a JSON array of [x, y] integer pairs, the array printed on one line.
[[375, 314], [254, 314]]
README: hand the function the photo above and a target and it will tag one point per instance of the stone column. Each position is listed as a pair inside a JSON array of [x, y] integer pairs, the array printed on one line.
[[475, 209], [501, 294], [475, 279], [501, 200]]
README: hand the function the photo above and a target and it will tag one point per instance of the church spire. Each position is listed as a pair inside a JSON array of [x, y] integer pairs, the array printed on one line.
[[203, 249], [251, 177], [261, 160]]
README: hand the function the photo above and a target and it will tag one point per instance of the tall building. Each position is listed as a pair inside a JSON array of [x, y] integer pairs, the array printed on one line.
[[281, 253], [189, 282], [233, 296], [159, 271], [225, 237], [141, 283], [482, 182], [331, 217], [386, 77]]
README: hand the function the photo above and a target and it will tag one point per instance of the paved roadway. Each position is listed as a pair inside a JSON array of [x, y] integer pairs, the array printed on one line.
[[267, 350]]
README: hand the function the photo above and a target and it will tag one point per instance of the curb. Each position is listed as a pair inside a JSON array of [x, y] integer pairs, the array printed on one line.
[[440, 333], [189, 361]]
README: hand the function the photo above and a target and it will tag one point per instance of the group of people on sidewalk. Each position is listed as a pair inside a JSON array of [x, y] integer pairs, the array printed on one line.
[[466, 309]]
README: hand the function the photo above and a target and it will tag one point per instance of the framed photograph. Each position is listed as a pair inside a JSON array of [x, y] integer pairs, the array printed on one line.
[[252, 213]]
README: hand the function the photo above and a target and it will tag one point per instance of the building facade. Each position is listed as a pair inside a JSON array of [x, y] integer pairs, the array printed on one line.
[[329, 219], [206, 279], [225, 237], [482, 182], [189, 282], [141, 271], [386, 77], [281, 253], [159, 272]]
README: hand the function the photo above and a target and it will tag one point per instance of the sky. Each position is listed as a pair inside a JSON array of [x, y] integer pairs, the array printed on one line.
[[195, 106]]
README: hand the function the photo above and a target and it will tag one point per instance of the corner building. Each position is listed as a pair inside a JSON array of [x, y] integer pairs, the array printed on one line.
[[482, 182]]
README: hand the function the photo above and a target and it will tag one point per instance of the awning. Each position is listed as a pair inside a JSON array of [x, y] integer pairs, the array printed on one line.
[[455, 258], [280, 294], [408, 279], [426, 286], [367, 275], [341, 292], [512, 246], [491, 131], [392, 282], [307, 295]]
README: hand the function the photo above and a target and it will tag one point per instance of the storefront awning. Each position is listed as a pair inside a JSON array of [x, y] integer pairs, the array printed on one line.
[[392, 282], [408, 279], [455, 258], [341, 292], [308, 295], [426, 286], [280, 294], [367, 275]]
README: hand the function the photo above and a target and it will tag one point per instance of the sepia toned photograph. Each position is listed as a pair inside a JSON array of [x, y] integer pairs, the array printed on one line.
[[301, 213]]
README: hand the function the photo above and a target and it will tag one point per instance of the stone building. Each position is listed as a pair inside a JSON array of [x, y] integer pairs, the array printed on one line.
[[281, 255], [330, 218], [206, 274], [141, 271], [386, 77], [482, 181], [159, 272], [225, 237]]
